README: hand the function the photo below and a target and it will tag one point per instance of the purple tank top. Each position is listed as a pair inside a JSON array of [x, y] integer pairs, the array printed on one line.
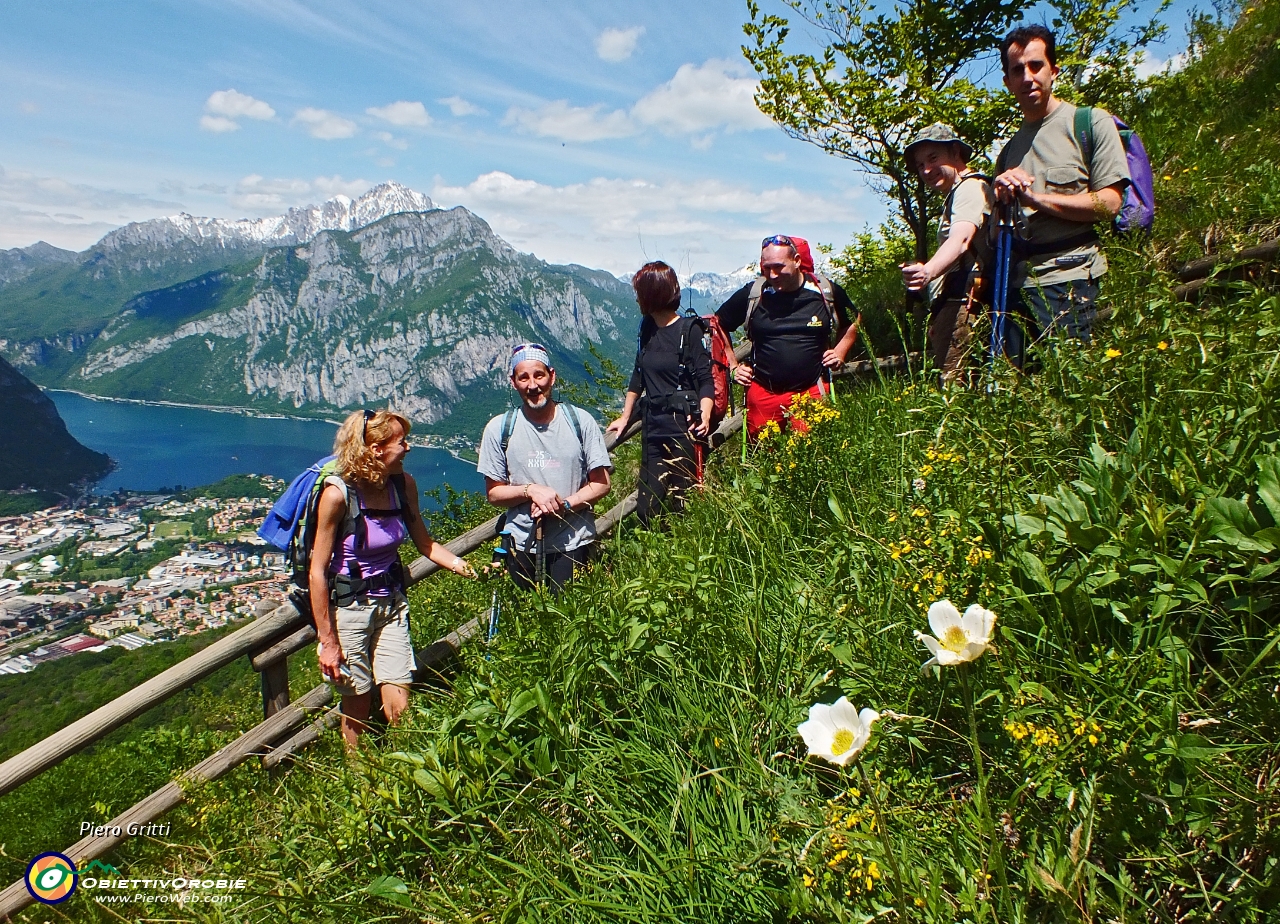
[[381, 549]]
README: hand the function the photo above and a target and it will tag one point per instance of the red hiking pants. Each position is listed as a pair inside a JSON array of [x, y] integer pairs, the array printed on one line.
[[764, 405]]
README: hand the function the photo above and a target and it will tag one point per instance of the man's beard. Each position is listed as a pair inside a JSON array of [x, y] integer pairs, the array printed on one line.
[[537, 403]]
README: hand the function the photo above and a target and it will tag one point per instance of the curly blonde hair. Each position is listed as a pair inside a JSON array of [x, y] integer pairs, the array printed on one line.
[[361, 430]]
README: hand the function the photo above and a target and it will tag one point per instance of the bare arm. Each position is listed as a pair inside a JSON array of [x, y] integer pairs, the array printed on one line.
[[330, 511], [426, 544], [543, 500], [834, 357], [917, 276], [1085, 207], [597, 487], [624, 418]]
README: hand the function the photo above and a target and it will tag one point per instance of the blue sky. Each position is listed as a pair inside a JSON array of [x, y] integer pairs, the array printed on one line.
[[603, 133]]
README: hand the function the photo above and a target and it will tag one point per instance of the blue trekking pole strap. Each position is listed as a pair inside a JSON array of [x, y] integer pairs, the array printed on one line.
[[1000, 297]]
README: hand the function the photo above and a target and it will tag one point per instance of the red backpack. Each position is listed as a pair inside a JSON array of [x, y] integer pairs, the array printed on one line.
[[721, 349]]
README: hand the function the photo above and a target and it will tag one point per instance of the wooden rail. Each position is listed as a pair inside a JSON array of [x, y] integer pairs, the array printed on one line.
[[1203, 272], [268, 641], [257, 740], [102, 721]]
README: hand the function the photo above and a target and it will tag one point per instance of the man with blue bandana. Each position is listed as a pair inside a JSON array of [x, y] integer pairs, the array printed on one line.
[[547, 464]]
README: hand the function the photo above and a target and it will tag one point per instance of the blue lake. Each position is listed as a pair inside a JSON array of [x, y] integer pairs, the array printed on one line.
[[157, 446]]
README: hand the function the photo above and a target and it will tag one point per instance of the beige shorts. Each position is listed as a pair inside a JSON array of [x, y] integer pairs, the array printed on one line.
[[375, 642]]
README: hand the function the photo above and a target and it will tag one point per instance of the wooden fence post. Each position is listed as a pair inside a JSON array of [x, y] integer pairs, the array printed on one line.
[[275, 687]]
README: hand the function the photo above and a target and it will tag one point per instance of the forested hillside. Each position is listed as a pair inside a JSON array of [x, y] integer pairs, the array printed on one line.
[[629, 751]]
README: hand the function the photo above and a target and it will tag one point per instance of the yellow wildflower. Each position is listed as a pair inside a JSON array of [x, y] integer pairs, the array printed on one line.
[[1112, 353], [1162, 345]]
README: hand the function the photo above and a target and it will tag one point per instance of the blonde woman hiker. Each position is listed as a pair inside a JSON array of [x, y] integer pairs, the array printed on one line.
[[365, 511]]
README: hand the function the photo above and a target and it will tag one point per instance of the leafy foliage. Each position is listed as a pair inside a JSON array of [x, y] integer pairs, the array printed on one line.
[[884, 73]]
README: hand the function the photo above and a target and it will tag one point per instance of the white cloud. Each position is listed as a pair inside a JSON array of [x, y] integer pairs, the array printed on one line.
[[232, 104], [614, 45], [402, 113], [255, 194], [460, 107], [323, 124], [571, 123], [28, 107], [697, 101], [392, 141], [618, 223], [64, 213], [218, 124], [1149, 66]]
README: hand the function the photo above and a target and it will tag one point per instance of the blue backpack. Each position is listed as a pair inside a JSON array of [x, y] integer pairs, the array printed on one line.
[[290, 510]]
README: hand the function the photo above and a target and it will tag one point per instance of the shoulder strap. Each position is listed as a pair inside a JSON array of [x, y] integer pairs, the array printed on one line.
[[401, 488], [574, 421], [353, 521], [687, 340], [508, 427], [753, 302], [827, 290], [1082, 131]]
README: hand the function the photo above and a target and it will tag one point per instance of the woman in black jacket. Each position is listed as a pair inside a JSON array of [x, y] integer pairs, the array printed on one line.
[[673, 373]]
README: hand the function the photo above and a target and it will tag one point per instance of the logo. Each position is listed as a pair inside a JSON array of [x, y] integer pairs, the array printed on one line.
[[814, 322], [51, 878], [105, 869]]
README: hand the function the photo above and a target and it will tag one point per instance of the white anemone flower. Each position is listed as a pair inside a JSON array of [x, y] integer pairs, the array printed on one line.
[[959, 638], [836, 733]]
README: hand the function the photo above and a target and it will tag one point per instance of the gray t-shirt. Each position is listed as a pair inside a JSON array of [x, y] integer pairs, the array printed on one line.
[[971, 200], [550, 456], [1047, 151]]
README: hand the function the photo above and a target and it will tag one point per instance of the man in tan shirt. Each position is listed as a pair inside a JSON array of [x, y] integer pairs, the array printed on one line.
[[1062, 194], [941, 159]]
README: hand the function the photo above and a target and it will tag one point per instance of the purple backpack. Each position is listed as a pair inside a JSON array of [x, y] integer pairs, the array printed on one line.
[[1138, 209]]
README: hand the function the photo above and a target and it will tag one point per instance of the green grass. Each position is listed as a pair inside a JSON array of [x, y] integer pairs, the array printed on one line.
[[628, 751], [171, 529], [16, 504]]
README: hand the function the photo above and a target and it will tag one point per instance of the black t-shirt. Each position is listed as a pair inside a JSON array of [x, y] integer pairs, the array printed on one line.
[[660, 371], [789, 333]]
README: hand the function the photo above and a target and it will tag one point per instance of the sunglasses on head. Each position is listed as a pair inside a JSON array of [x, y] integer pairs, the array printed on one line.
[[364, 434], [779, 239], [528, 346]]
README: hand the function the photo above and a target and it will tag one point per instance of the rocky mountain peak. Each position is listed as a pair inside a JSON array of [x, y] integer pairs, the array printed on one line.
[[296, 226]]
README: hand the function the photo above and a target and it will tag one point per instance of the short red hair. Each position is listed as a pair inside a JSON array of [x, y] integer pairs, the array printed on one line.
[[657, 288]]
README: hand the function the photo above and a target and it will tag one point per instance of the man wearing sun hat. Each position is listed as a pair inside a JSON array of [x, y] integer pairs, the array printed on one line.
[[547, 464], [948, 280]]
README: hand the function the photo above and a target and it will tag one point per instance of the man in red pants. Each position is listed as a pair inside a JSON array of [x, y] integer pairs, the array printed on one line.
[[790, 326]]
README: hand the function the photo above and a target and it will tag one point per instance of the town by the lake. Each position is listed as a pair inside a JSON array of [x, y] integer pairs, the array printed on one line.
[[131, 569]]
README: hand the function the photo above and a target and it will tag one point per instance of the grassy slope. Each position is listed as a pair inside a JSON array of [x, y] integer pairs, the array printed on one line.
[[629, 753]]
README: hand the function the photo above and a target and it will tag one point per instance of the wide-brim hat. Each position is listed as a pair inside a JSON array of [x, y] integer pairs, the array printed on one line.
[[937, 133]]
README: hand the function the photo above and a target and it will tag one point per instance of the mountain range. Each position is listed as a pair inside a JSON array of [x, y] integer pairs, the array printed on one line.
[[347, 304]]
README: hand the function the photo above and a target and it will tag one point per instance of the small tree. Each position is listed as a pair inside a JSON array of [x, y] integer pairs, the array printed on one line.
[[881, 78], [885, 75]]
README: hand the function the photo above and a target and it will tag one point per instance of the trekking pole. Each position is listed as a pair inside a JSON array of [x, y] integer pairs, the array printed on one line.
[[497, 562], [1000, 297], [540, 556], [699, 458]]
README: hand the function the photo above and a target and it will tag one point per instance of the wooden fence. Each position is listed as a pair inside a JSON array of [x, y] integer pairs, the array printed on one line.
[[268, 642]]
